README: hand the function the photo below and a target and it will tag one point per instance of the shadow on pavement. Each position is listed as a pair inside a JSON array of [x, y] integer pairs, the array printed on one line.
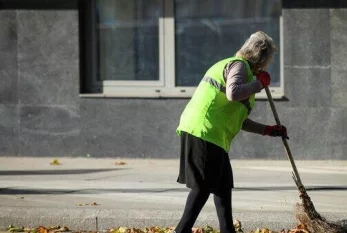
[[55, 172], [19, 191], [279, 188]]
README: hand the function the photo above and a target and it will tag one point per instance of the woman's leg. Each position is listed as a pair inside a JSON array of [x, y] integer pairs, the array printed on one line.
[[223, 206], [195, 201]]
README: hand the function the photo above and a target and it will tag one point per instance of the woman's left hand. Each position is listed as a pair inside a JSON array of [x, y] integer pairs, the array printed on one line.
[[276, 131]]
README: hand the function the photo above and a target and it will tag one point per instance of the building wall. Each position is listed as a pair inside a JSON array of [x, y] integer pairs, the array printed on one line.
[[39, 82], [43, 115]]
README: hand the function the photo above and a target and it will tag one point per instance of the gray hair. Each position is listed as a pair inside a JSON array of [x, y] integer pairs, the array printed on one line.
[[258, 49]]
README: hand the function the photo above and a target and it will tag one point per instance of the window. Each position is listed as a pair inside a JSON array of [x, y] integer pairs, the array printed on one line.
[[155, 48], [129, 40]]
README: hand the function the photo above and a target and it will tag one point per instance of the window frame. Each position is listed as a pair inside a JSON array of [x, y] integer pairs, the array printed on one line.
[[165, 86]]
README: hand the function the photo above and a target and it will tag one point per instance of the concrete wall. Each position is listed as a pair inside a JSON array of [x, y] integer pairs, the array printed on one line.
[[43, 115], [39, 83]]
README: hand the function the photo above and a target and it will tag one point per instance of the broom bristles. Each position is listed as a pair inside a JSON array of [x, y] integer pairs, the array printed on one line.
[[306, 214]]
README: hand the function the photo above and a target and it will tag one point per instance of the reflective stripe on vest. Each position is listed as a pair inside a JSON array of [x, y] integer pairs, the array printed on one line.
[[221, 88]]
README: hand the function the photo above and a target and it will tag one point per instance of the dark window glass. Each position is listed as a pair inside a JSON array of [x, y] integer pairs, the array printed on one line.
[[128, 33], [210, 30]]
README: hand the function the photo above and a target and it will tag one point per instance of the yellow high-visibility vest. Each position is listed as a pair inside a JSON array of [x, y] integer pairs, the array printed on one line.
[[209, 115]]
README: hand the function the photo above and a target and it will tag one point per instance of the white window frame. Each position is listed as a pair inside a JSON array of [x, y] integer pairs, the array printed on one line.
[[165, 87]]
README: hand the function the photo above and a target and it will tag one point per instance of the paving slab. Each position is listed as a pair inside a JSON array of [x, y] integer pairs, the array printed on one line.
[[144, 192]]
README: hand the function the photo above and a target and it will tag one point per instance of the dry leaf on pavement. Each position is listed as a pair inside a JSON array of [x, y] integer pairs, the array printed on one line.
[[42, 229], [64, 229], [55, 162], [120, 163], [238, 226], [197, 230], [84, 204], [12, 228]]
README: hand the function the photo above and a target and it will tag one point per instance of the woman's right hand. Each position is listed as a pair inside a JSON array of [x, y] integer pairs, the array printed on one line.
[[264, 78]]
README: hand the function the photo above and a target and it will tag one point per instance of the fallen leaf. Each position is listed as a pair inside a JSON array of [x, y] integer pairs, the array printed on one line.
[[238, 226], [12, 228], [120, 163], [27, 229], [134, 230], [196, 230], [123, 230], [55, 162], [301, 228], [42, 229], [84, 204], [209, 229], [63, 229]]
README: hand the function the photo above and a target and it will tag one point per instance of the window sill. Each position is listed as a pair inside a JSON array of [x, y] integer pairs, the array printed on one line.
[[156, 93]]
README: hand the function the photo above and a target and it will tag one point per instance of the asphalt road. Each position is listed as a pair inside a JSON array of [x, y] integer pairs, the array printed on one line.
[[144, 192]]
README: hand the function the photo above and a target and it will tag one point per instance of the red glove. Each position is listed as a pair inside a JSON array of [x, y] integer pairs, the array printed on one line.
[[264, 78], [276, 131]]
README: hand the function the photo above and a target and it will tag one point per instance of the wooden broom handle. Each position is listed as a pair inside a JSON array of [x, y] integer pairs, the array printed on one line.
[[296, 175]]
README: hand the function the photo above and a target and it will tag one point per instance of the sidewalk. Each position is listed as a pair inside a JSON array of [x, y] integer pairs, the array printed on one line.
[[144, 192]]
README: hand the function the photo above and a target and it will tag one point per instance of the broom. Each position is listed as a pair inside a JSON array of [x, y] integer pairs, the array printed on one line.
[[305, 212]]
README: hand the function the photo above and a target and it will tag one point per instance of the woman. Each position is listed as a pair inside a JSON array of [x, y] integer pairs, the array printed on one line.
[[217, 111]]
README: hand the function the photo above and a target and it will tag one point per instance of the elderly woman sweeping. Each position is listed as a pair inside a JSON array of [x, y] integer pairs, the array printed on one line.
[[217, 111]]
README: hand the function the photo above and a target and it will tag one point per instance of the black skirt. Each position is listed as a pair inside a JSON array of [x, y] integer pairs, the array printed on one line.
[[204, 165]]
